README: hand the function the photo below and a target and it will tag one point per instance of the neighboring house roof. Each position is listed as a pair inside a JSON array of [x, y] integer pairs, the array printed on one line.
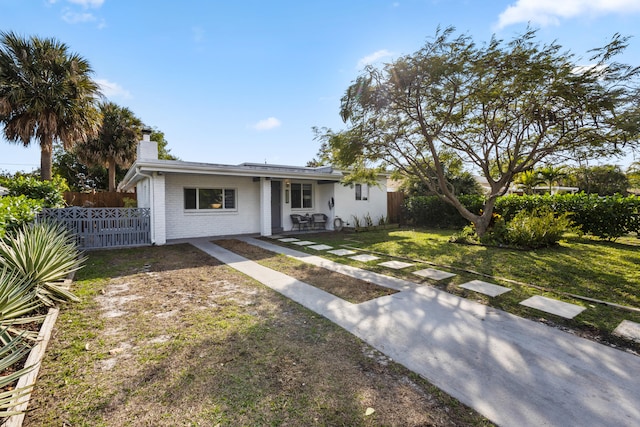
[[141, 169]]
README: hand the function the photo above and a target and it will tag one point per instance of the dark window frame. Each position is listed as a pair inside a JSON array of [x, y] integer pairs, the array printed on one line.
[[301, 195], [216, 199]]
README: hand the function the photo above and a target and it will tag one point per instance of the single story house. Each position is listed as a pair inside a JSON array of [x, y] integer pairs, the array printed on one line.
[[189, 199]]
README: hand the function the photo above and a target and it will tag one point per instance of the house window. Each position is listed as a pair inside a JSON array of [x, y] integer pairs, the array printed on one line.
[[210, 198], [362, 192], [301, 196]]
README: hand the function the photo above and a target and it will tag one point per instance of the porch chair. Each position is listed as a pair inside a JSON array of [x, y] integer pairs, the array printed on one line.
[[319, 220], [300, 221]]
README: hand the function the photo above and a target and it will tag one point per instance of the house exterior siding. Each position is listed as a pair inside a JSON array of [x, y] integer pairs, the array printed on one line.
[[347, 206], [245, 219]]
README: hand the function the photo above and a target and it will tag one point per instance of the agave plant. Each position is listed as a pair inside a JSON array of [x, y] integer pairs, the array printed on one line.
[[43, 253], [18, 299], [10, 354]]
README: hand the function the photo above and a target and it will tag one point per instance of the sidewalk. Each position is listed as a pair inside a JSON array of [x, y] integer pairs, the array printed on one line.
[[514, 371]]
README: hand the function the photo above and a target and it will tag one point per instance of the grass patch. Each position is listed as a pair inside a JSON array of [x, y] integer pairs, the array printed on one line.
[[166, 336], [348, 288], [591, 268]]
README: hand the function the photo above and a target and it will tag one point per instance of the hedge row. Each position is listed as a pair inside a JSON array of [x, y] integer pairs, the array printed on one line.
[[605, 217], [431, 211]]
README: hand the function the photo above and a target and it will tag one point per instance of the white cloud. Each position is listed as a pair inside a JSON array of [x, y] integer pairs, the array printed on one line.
[[267, 124], [113, 90], [87, 3], [374, 57], [77, 18], [550, 12]]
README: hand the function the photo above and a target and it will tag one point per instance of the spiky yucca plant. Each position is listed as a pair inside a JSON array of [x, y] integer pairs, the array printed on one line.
[[18, 299], [10, 354], [43, 253]]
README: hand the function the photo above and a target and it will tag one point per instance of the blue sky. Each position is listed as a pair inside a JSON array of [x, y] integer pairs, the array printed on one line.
[[245, 81]]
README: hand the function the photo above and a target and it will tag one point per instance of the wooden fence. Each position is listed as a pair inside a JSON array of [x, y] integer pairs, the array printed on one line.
[[103, 199], [104, 227], [394, 207]]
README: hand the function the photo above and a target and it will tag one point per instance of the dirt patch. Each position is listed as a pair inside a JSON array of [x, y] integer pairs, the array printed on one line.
[[201, 344], [348, 288]]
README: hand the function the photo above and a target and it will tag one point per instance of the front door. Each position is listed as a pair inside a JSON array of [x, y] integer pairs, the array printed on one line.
[[276, 206]]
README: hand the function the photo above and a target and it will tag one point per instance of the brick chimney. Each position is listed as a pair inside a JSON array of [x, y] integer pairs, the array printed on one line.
[[147, 149]]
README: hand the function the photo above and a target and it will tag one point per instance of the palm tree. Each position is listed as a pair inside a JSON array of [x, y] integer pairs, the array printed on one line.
[[46, 94], [115, 143], [529, 180], [552, 174]]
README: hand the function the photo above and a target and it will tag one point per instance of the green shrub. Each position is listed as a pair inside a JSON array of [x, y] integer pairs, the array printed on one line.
[[431, 211], [50, 192], [537, 229], [605, 217], [16, 211]]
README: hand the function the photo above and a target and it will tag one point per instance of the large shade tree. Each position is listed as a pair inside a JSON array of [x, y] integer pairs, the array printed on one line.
[[502, 107], [46, 95], [115, 143]]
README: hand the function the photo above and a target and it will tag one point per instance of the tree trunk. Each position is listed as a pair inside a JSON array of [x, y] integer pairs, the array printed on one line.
[[112, 175], [46, 148], [482, 222]]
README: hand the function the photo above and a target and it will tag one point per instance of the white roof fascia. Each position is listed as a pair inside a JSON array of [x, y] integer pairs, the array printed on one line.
[[139, 170]]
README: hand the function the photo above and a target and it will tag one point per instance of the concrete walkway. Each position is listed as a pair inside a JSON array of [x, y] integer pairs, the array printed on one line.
[[514, 371]]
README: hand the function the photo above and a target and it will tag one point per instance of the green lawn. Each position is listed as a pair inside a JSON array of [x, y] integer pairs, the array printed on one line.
[[595, 269]]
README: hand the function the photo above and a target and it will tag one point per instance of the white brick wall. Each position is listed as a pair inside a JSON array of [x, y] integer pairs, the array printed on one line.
[[184, 224], [347, 206]]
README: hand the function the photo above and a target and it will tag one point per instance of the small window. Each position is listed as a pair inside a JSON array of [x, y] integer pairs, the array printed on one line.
[[362, 192], [301, 196], [209, 198]]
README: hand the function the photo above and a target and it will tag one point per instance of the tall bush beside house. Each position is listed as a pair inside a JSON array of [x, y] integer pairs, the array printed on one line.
[[51, 193], [15, 211]]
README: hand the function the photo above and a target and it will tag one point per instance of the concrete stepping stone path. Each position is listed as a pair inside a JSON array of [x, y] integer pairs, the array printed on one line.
[[321, 247], [432, 273], [364, 257], [289, 239], [304, 243], [550, 305], [485, 288], [341, 252], [629, 330], [396, 265]]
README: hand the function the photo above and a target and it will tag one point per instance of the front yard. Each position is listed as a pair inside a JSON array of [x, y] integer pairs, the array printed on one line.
[[166, 336]]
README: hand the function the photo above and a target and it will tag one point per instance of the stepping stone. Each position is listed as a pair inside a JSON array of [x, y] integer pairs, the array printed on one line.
[[341, 252], [550, 305], [289, 239], [396, 265], [304, 243], [275, 236], [364, 257], [321, 247], [485, 288], [432, 273], [629, 330]]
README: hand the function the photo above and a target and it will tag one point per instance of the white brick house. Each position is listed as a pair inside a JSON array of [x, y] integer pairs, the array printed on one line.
[[189, 199]]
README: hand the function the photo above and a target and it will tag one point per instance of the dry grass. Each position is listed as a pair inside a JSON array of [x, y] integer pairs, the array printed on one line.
[[348, 288], [166, 336]]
